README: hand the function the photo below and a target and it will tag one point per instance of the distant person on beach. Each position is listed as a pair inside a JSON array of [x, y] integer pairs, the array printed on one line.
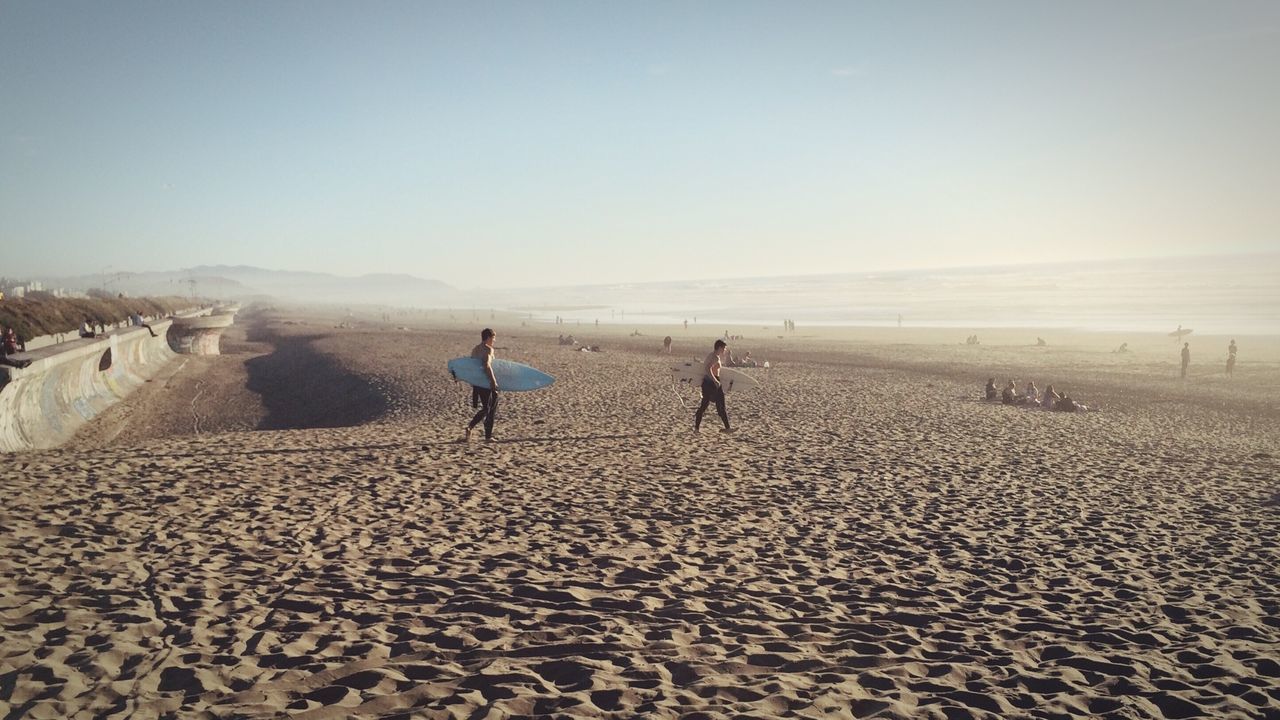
[[1040, 342], [1231, 358], [1050, 398], [1031, 394], [487, 397], [1124, 348], [1069, 404], [1186, 358], [666, 345], [991, 391], [136, 320], [712, 391], [86, 329], [1010, 394]]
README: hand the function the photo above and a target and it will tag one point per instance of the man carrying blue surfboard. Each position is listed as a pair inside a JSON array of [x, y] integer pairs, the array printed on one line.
[[712, 391], [488, 397]]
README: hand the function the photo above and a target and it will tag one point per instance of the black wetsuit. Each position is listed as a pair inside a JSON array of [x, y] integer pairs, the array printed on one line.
[[488, 409], [487, 398], [711, 392]]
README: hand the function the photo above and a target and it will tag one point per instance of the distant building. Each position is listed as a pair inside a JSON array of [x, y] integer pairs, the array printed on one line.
[[19, 291]]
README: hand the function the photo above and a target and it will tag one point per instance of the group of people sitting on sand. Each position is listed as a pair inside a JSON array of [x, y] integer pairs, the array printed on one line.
[[730, 360], [1032, 397], [571, 341]]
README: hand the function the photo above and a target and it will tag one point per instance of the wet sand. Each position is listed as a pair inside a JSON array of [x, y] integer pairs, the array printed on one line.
[[874, 540]]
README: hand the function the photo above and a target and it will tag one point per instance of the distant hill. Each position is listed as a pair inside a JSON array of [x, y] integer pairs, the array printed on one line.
[[238, 282]]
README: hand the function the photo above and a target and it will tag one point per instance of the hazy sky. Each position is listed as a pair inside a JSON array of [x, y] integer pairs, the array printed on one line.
[[539, 143]]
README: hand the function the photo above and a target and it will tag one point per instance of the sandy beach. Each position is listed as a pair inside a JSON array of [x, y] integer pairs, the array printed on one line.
[[293, 529]]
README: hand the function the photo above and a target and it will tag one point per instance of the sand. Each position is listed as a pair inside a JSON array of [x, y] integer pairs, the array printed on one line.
[[292, 529]]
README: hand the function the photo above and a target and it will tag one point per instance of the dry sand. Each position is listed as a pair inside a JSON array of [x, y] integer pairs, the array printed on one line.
[[874, 539]]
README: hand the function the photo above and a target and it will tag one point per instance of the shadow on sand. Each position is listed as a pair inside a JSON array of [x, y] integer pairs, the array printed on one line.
[[304, 388]]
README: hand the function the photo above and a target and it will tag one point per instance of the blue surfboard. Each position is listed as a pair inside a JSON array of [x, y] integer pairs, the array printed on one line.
[[512, 376]]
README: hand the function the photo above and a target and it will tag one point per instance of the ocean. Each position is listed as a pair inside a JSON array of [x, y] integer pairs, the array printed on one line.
[[1214, 295]]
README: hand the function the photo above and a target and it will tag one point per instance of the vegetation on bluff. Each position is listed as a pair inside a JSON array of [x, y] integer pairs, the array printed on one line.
[[40, 313]]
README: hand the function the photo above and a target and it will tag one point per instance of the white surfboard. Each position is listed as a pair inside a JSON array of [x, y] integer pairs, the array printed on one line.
[[690, 373]]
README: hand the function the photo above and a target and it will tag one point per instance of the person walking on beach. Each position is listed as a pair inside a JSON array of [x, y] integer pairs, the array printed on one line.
[[487, 397], [1186, 358], [1231, 358], [712, 391]]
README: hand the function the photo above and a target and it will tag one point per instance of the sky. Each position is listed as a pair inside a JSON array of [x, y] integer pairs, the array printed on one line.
[[554, 143]]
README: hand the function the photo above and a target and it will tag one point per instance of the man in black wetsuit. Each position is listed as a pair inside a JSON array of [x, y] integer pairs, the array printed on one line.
[[488, 397], [712, 391]]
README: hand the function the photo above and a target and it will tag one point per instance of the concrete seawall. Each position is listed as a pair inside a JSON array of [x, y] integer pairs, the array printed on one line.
[[66, 385], [199, 335]]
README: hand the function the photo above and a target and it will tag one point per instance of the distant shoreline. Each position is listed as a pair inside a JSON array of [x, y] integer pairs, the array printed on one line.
[[655, 320], [555, 308]]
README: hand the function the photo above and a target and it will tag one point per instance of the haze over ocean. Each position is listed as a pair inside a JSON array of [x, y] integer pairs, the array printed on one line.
[[1232, 294]]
